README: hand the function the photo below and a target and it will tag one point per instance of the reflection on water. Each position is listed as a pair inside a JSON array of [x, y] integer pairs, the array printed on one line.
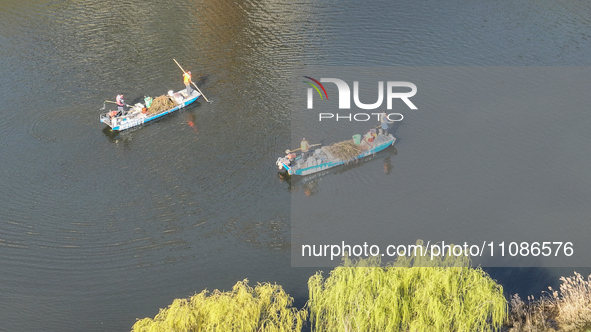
[[191, 121], [309, 184], [387, 166], [125, 137]]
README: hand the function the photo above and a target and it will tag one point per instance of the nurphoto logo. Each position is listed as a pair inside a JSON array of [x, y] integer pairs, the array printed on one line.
[[344, 101]]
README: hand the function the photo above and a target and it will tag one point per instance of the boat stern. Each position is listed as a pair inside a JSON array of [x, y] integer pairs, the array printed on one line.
[[113, 122], [106, 119], [283, 163], [186, 98]]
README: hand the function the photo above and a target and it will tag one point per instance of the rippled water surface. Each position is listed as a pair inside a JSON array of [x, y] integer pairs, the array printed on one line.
[[100, 228]]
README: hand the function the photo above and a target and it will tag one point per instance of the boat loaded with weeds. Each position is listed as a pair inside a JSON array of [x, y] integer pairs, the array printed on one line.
[[139, 114], [334, 155]]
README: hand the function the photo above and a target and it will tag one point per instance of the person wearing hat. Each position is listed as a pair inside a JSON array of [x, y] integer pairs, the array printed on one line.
[[187, 81], [120, 104]]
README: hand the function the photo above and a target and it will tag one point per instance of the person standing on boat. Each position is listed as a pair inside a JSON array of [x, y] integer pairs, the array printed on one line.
[[385, 122], [304, 147], [187, 81], [120, 103]]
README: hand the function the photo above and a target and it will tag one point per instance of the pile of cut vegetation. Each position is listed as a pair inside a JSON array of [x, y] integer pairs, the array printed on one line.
[[344, 150], [160, 104]]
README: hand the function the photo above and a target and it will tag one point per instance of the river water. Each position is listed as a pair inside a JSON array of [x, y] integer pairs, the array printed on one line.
[[100, 228]]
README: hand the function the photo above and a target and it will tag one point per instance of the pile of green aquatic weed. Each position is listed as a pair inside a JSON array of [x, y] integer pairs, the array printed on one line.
[[413, 294], [264, 308], [344, 150], [160, 104]]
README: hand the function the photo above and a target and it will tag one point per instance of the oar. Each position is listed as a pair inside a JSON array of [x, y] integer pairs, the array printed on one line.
[[288, 151], [195, 85]]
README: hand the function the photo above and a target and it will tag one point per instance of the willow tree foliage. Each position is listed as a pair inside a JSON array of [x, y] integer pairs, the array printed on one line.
[[443, 294], [264, 308], [413, 294]]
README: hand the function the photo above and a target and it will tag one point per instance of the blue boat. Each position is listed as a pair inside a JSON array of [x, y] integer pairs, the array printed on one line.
[[135, 117], [322, 159]]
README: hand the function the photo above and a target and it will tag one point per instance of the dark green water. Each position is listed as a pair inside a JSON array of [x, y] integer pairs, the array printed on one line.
[[98, 229]]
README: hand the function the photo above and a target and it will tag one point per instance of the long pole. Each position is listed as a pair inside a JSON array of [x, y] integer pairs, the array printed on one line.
[[290, 151], [195, 85]]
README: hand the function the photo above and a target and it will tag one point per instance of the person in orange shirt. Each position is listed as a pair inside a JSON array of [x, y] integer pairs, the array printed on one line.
[[187, 81]]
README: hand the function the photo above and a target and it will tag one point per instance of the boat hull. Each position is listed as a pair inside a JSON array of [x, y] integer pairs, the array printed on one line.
[[324, 166], [122, 123]]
